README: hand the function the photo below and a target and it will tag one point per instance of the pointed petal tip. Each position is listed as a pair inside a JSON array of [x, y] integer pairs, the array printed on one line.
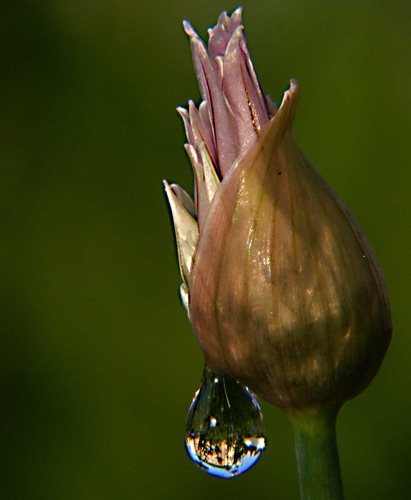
[[237, 15], [282, 120], [188, 28], [171, 190], [293, 91], [168, 190], [222, 19], [290, 98], [294, 85], [181, 111], [169, 193]]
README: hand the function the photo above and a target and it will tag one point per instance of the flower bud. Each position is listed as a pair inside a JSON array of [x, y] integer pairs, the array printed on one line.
[[284, 292]]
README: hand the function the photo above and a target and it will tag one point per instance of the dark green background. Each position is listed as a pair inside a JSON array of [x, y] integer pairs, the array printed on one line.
[[98, 362]]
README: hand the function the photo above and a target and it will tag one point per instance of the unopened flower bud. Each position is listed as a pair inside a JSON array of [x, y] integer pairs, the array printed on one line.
[[284, 292]]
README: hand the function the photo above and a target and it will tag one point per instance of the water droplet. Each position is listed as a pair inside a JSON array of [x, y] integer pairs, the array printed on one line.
[[224, 434]]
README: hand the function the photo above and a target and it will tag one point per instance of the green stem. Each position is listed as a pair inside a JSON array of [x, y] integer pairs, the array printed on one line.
[[317, 455]]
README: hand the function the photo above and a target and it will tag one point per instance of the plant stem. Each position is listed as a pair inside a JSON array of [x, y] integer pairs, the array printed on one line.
[[317, 455]]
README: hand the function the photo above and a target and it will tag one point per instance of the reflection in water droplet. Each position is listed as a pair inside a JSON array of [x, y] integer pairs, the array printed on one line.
[[224, 434]]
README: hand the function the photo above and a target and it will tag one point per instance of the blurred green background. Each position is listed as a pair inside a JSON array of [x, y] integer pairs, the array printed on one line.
[[98, 362]]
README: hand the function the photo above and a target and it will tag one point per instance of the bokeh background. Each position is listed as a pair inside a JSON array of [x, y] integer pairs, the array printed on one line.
[[98, 363]]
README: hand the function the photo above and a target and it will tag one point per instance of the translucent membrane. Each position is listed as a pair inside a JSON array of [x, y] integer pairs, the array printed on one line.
[[225, 430]]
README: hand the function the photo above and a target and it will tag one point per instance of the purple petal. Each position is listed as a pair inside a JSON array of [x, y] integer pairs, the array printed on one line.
[[207, 130], [236, 86], [220, 117], [220, 35], [187, 125], [201, 128], [258, 96]]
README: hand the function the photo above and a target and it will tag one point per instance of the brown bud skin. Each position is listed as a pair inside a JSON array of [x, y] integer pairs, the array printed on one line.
[[285, 293]]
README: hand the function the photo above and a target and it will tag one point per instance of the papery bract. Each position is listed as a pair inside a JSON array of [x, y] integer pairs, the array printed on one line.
[[285, 292]]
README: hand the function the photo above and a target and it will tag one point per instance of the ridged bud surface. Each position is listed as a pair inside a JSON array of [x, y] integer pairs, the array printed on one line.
[[286, 294]]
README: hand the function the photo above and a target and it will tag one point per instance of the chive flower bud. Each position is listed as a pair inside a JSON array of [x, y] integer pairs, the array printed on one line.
[[281, 286]]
